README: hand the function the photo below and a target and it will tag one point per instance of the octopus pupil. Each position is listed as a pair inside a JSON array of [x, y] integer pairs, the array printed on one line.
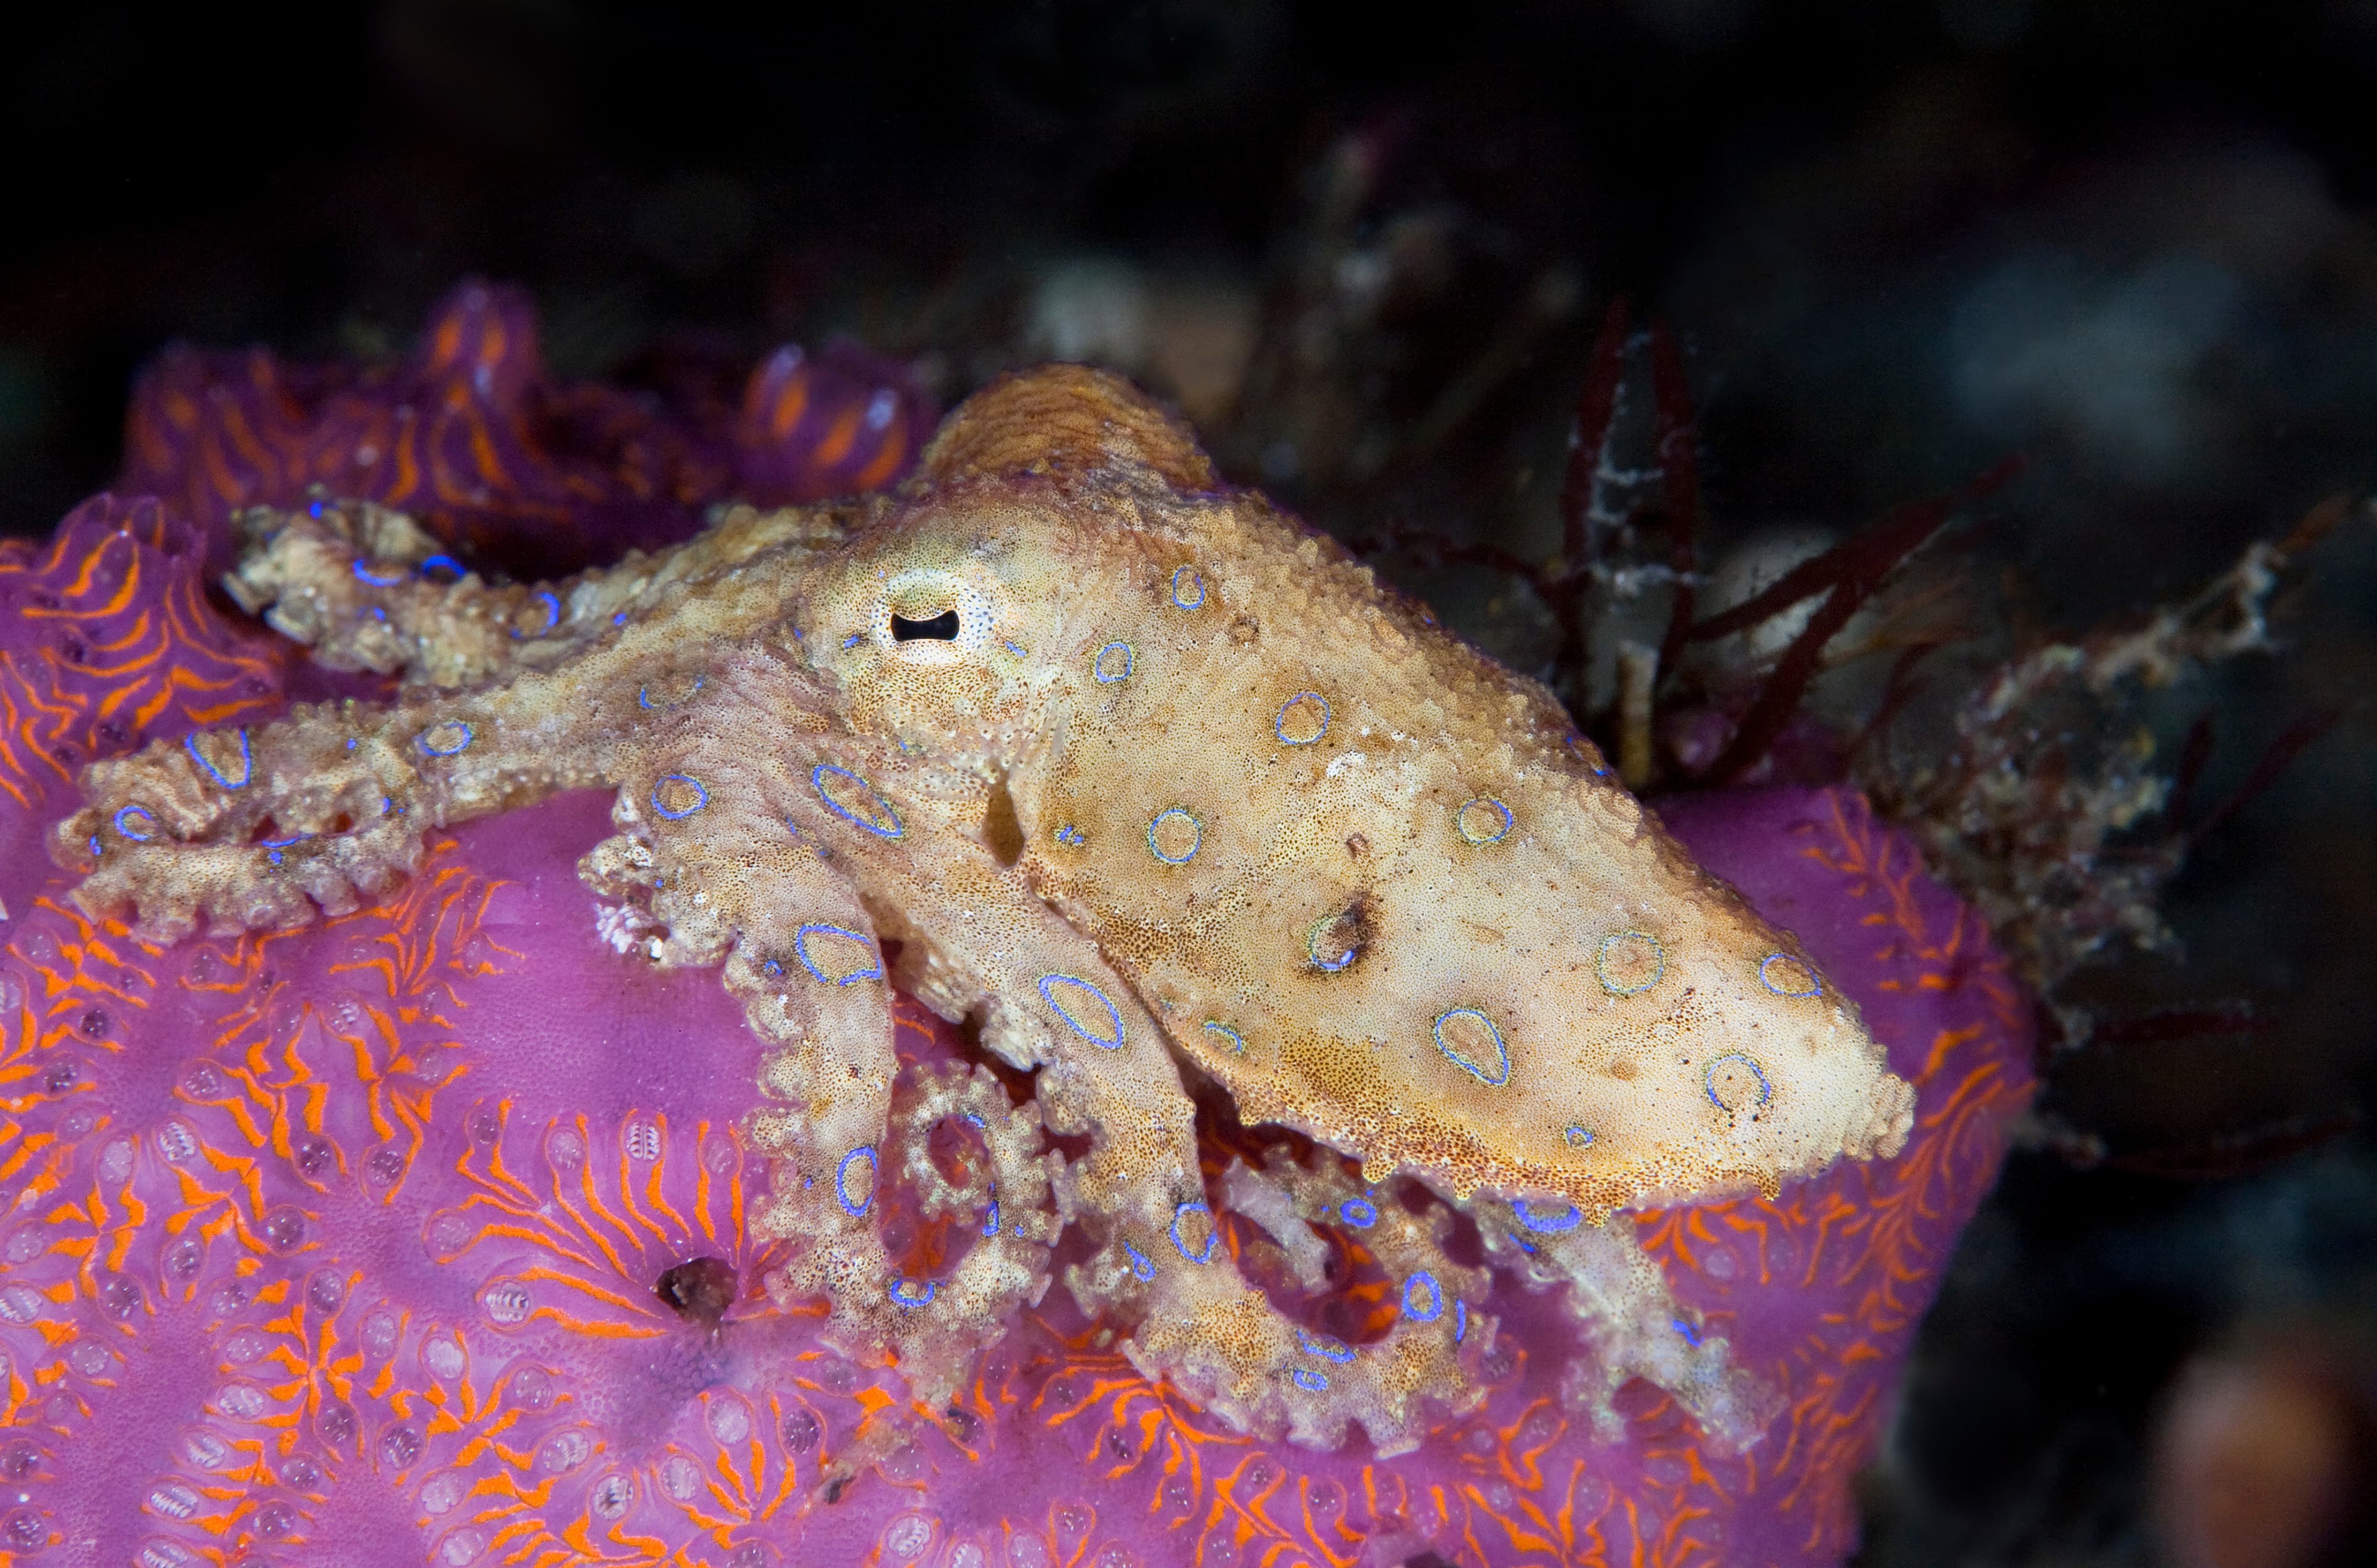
[[698, 1290], [942, 627]]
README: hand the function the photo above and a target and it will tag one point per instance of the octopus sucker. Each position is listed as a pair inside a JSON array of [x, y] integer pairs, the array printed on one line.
[[1145, 778]]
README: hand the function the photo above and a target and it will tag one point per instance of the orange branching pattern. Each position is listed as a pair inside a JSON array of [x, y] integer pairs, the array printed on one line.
[[116, 646], [470, 434]]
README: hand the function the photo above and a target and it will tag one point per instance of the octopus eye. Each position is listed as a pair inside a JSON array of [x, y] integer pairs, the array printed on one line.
[[942, 627]]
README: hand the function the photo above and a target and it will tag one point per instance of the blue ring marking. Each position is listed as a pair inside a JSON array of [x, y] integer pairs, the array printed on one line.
[[1311, 1382], [852, 640], [1212, 1235], [1072, 835], [246, 761], [1460, 1320], [1312, 947], [365, 574], [1708, 1080], [773, 968], [990, 1220], [1579, 1137], [841, 1181], [972, 1120], [457, 568], [552, 615], [903, 1291], [1279, 724], [1360, 1213], [1237, 1041], [1195, 581], [1139, 1265], [1546, 1223], [1016, 649], [1815, 985], [422, 740], [701, 795], [619, 619], [130, 833], [1492, 1081], [1328, 1349], [872, 824], [1047, 994], [314, 511], [1098, 664], [1601, 962], [1692, 1335], [1461, 825], [801, 952], [1196, 835], [96, 852], [1435, 1297]]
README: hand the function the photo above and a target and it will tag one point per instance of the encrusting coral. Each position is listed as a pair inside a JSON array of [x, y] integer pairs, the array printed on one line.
[[1332, 1019]]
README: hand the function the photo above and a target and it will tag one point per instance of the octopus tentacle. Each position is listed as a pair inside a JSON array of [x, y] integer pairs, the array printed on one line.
[[709, 854], [257, 829], [1617, 1294], [366, 588], [1048, 999]]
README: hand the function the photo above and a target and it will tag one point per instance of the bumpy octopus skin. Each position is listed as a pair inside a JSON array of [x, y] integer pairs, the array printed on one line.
[[1139, 775]]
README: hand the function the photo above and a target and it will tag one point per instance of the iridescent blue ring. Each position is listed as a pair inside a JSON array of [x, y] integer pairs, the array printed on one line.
[[246, 761], [134, 834], [448, 562], [1494, 1079], [701, 795], [1140, 1265], [1098, 664], [801, 952], [1460, 1320], [1196, 835], [1411, 1288], [1195, 584], [1579, 1137], [873, 825], [1237, 1042], [365, 574], [1278, 723], [1546, 1223], [1212, 1235], [1360, 1213], [552, 615], [1312, 947], [1311, 1382], [990, 1220], [1600, 962], [422, 741], [1327, 1350], [1047, 994], [1815, 985], [906, 1292], [1481, 839], [841, 1181], [1708, 1080]]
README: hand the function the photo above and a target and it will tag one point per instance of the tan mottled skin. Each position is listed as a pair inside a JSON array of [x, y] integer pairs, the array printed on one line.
[[1332, 911]]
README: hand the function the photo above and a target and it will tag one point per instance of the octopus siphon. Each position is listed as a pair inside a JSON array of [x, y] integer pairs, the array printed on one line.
[[1155, 788]]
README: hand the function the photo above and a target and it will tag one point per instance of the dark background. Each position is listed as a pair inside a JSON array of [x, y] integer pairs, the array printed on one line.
[[2130, 240]]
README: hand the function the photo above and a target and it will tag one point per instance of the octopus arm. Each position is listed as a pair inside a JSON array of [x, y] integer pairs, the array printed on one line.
[[366, 588], [1048, 997], [256, 829]]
